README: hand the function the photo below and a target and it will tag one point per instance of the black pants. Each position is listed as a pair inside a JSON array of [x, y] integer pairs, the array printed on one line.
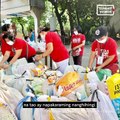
[[29, 60], [77, 60]]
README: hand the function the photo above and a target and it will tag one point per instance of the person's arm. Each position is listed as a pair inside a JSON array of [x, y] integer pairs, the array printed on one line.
[[49, 49], [46, 53], [106, 62], [5, 57], [79, 46], [16, 56], [91, 59]]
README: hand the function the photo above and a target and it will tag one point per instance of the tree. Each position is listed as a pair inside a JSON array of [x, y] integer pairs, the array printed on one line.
[[26, 23], [59, 11]]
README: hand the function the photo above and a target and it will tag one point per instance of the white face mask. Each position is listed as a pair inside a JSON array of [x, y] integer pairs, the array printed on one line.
[[11, 30], [10, 42], [76, 32], [102, 41]]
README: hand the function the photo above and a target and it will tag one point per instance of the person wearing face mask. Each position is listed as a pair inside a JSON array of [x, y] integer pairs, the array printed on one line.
[[55, 48], [5, 28], [104, 49], [16, 48], [77, 45]]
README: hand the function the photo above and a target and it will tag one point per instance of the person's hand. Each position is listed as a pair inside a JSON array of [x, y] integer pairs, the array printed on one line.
[[90, 67], [1, 66], [38, 57], [6, 66], [69, 51], [74, 48], [98, 68]]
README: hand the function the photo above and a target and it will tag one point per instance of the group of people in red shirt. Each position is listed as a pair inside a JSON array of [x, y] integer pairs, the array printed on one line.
[[14, 48], [104, 49]]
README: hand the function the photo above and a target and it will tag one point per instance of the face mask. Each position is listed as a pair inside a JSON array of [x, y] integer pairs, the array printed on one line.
[[76, 32], [11, 30], [10, 42], [102, 41]]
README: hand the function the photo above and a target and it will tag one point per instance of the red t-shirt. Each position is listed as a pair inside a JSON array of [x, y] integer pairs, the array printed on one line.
[[107, 49], [77, 40], [20, 44], [3, 44], [59, 52]]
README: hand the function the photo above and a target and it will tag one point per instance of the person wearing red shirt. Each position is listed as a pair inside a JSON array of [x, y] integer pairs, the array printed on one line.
[[16, 48], [6, 28], [104, 49], [77, 45], [55, 48]]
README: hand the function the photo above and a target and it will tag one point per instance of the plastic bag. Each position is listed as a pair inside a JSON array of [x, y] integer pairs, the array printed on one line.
[[92, 77], [36, 85], [104, 72], [27, 113], [104, 105], [10, 95], [79, 69], [16, 65], [67, 113], [75, 114], [41, 46], [19, 83], [113, 84], [116, 104], [70, 84], [18, 68], [9, 80], [5, 112]]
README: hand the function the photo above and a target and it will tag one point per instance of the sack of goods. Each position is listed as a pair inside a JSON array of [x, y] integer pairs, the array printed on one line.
[[104, 105], [66, 113], [10, 95], [39, 70], [6, 113], [78, 68], [54, 113], [113, 84], [70, 85]]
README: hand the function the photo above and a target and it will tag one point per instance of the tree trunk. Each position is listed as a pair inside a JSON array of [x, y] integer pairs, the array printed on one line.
[[77, 13], [70, 16], [58, 17], [59, 20]]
